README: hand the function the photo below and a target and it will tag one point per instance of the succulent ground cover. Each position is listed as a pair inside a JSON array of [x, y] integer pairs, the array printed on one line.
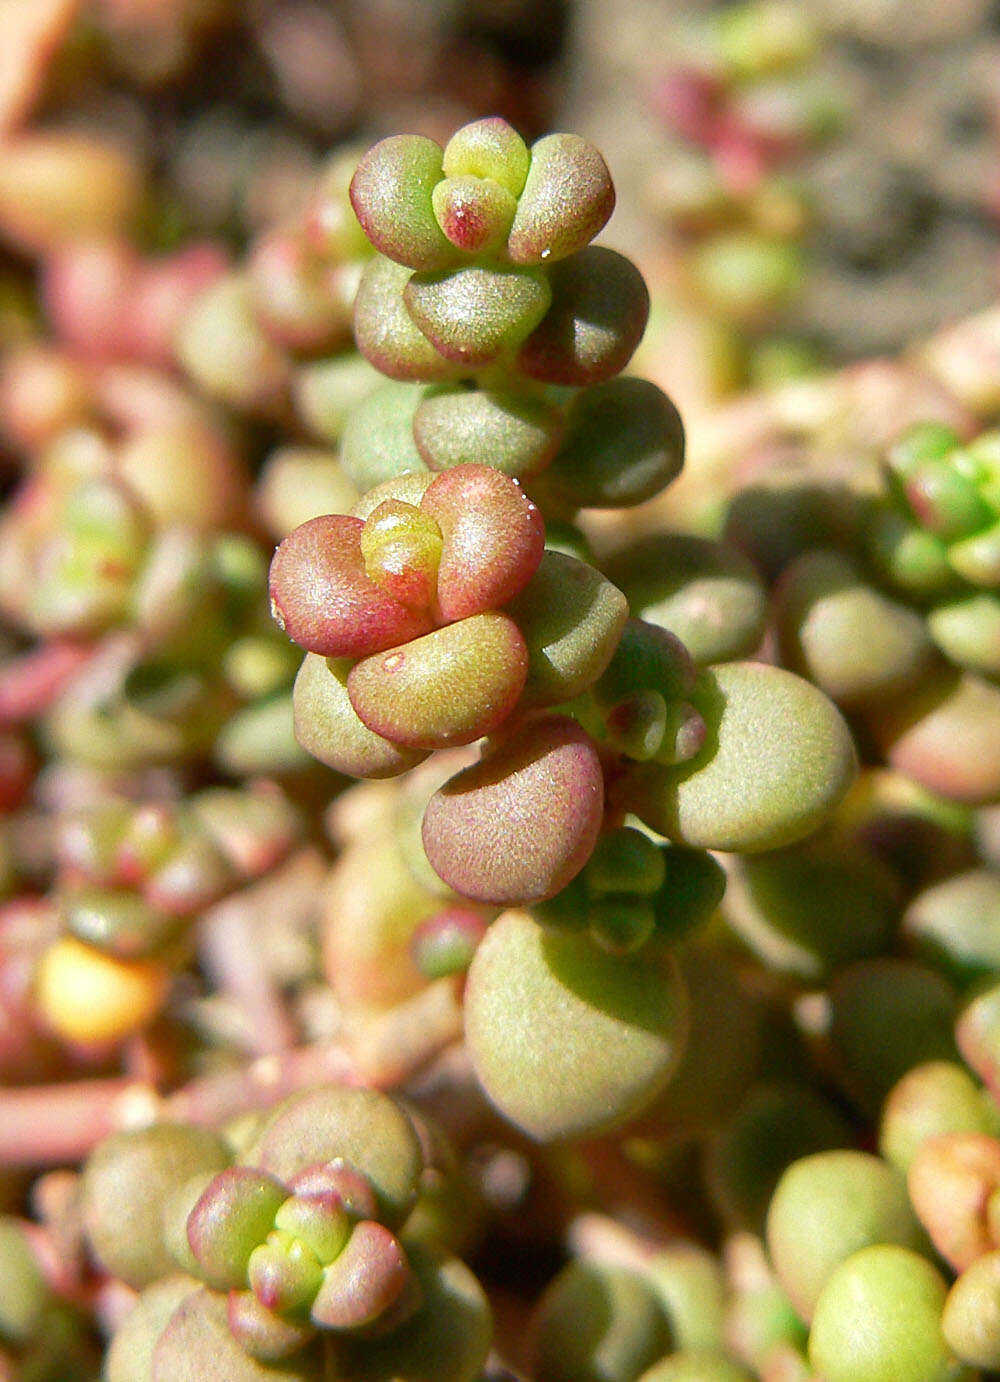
[[553, 942]]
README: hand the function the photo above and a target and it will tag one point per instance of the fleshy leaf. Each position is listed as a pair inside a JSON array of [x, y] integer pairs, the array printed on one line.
[[706, 593], [517, 432], [364, 1128], [324, 599], [571, 619], [261, 1333], [233, 1214], [844, 634], [364, 1281], [600, 305], [386, 334], [198, 1346], [518, 825], [488, 148], [473, 315], [494, 537], [777, 759], [446, 1340], [378, 436], [474, 213], [567, 199], [599, 1319], [624, 443], [124, 1186], [944, 733], [284, 1274], [567, 1039], [329, 727], [319, 1219], [646, 658], [391, 193], [450, 687]]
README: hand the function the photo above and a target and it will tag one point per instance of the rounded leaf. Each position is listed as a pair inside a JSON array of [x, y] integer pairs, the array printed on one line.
[[125, 1184], [324, 599], [707, 593], [599, 309], [359, 1126], [843, 634], [450, 687], [363, 1281], [392, 191], [827, 1206], [597, 1320], [971, 1319], [944, 732], [384, 331], [955, 925], [773, 1126], [571, 619], [933, 1098], [567, 198], [522, 822], [473, 315], [887, 1015], [566, 1038], [130, 1355], [328, 726], [777, 759], [493, 535], [879, 1316], [624, 443], [813, 907], [967, 631], [515, 431], [198, 1346], [234, 1213], [489, 148], [446, 1340], [474, 213], [378, 436]]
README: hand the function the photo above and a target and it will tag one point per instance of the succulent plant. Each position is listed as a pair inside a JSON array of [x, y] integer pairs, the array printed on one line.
[[433, 615], [567, 938], [296, 1255]]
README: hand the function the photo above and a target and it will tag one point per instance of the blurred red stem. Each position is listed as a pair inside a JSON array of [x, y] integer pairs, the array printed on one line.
[[54, 1125], [30, 682]]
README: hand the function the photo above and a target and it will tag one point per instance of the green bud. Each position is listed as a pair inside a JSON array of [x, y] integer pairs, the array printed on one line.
[[625, 861], [621, 923], [284, 1274], [488, 148], [474, 213]]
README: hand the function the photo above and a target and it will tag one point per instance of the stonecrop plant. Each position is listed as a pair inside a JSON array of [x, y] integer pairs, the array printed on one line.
[[457, 604]]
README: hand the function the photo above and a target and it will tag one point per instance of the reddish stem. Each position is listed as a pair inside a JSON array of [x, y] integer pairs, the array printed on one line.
[[30, 682]]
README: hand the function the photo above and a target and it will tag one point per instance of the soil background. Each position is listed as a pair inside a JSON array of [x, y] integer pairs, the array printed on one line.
[[906, 196]]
